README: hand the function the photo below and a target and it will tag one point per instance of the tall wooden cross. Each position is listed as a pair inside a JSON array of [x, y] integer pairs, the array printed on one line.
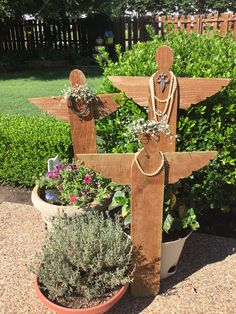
[[147, 191], [83, 131], [189, 91]]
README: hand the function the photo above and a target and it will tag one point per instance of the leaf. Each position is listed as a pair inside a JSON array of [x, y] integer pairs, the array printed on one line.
[[168, 223]]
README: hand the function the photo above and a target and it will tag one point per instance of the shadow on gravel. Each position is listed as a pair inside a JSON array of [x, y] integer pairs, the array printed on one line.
[[199, 250]]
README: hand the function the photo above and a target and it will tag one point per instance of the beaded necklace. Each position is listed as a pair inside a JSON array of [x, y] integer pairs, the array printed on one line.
[[154, 173], [169, 100]]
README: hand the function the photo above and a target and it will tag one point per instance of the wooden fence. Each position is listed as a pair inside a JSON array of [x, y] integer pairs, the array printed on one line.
[[133, 30], [224, 23], [81, 33]]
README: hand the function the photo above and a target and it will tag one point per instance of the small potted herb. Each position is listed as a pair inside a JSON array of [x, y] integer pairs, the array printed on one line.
[[70, 190], [84, 266]]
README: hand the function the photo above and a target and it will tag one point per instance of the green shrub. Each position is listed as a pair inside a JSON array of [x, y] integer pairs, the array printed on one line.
[[26, 143], [87, 257], [208, 126]]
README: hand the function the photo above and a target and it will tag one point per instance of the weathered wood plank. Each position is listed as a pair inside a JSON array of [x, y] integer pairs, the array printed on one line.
[[146, 231], [113, 166], [55, 106], [82, 130], [191, 90], [195, 90], [118, 166], [164, 60]]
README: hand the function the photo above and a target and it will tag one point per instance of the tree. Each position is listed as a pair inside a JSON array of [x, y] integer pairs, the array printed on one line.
[[54, 9]]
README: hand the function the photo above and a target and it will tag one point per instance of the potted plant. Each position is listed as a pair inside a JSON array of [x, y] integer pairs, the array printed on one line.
[[179, 218], [70, 190], [84, 266]]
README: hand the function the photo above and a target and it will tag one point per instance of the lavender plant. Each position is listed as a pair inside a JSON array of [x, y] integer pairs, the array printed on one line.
[[84, 261]]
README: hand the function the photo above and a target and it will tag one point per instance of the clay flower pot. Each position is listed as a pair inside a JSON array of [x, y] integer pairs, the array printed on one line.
[[170, 254], [99, 309], [51, 211]]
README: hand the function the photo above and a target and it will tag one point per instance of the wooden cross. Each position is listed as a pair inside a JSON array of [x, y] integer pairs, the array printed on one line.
[[190, 91], [146, 201], [82, 128], [147, 192]]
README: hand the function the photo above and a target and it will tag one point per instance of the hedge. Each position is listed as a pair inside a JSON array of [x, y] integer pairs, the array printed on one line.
[[26, 143]]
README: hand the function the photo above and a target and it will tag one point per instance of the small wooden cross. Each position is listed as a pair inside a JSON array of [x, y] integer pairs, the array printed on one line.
[[146, 201], [82, 128]]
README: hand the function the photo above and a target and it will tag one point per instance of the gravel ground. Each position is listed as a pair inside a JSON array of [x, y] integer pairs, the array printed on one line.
[[205, 281]]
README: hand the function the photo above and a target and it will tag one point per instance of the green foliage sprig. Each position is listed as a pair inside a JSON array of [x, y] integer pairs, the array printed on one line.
[[88, 257], [178, 213]]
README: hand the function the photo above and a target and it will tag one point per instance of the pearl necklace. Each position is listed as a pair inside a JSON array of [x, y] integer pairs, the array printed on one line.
[[150, 174], [169, 100]]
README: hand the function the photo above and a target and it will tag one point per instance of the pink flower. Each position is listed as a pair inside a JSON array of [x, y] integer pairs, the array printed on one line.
[[73, 199], [87, 178], [53, 175]]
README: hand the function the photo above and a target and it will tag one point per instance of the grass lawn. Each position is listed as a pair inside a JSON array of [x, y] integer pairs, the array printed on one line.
[[17, 87]]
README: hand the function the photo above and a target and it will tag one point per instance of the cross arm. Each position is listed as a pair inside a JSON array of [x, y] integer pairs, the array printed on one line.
[[191, 90], [113, 166], [135, 87], [181, 165], [54, 105], [195, 90]]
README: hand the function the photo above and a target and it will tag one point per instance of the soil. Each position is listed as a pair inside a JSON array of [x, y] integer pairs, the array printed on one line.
[[211, 221]]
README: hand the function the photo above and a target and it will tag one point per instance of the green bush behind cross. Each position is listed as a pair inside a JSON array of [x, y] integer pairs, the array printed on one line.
[[26, 143], [208, 126]]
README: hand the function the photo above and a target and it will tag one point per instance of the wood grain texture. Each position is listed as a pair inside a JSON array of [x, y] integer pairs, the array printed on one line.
[[117, 167], [135, 87], [106, 105], [146, 231], [181, 165], [164, 59], [112, 166], [54, 105], [82, 129], [195, 90], [191, 90], [77, 78]]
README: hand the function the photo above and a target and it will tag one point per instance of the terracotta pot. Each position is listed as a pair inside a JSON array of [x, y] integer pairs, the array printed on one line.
[[50, 211], [170, 254], [99, 309]]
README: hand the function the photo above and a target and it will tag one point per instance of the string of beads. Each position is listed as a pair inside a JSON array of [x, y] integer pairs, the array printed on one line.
[[154, 173], [169, 100]]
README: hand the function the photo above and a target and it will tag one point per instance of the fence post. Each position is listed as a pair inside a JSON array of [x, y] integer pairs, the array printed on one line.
[[234, 21], [224, 24]]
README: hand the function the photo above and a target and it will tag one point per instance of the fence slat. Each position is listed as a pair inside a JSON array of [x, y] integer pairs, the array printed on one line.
[[30, 34]]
